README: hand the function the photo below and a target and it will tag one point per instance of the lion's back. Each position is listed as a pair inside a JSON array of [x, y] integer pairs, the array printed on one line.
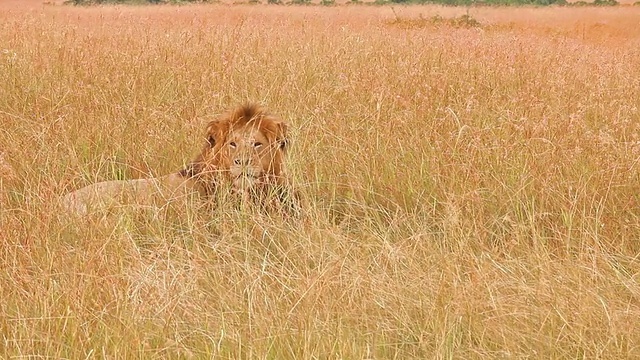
[[118, 193]]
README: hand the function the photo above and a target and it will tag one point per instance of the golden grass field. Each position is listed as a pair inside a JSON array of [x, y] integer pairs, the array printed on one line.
[[473, 192]]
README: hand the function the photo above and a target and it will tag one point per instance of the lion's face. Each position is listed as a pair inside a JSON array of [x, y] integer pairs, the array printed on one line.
[[252, 157], [246, 146]]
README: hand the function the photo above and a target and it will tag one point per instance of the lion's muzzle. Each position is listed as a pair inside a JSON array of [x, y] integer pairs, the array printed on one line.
[[245, 177]]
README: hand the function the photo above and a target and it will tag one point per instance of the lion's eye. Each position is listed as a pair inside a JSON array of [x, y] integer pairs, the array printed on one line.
[[232, 144], [257, 144]]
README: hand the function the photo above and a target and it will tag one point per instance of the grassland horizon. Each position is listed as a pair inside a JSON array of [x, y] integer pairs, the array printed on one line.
[[472, 188]]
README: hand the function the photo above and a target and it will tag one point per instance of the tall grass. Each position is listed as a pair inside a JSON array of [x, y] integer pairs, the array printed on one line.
[[473, 192]]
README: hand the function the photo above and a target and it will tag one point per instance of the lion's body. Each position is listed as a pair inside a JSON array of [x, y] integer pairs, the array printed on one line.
[[244, 153], [140, 192]]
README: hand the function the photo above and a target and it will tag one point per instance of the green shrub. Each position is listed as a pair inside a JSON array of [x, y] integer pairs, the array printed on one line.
[[465, 20], [605, 2]]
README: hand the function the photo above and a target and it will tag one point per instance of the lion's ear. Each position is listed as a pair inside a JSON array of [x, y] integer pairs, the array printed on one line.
[[281, 135], [215, 131]]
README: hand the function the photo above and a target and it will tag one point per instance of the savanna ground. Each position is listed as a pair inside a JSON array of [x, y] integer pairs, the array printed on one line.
[[473, 192]]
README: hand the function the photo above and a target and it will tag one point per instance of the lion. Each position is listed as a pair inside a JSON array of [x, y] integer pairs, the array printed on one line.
[[243, 155]]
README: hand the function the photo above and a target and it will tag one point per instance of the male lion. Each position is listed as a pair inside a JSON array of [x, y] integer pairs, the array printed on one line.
[[244, 153]]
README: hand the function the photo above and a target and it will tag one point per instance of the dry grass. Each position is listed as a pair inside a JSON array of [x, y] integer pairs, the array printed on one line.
[[473, 191]]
